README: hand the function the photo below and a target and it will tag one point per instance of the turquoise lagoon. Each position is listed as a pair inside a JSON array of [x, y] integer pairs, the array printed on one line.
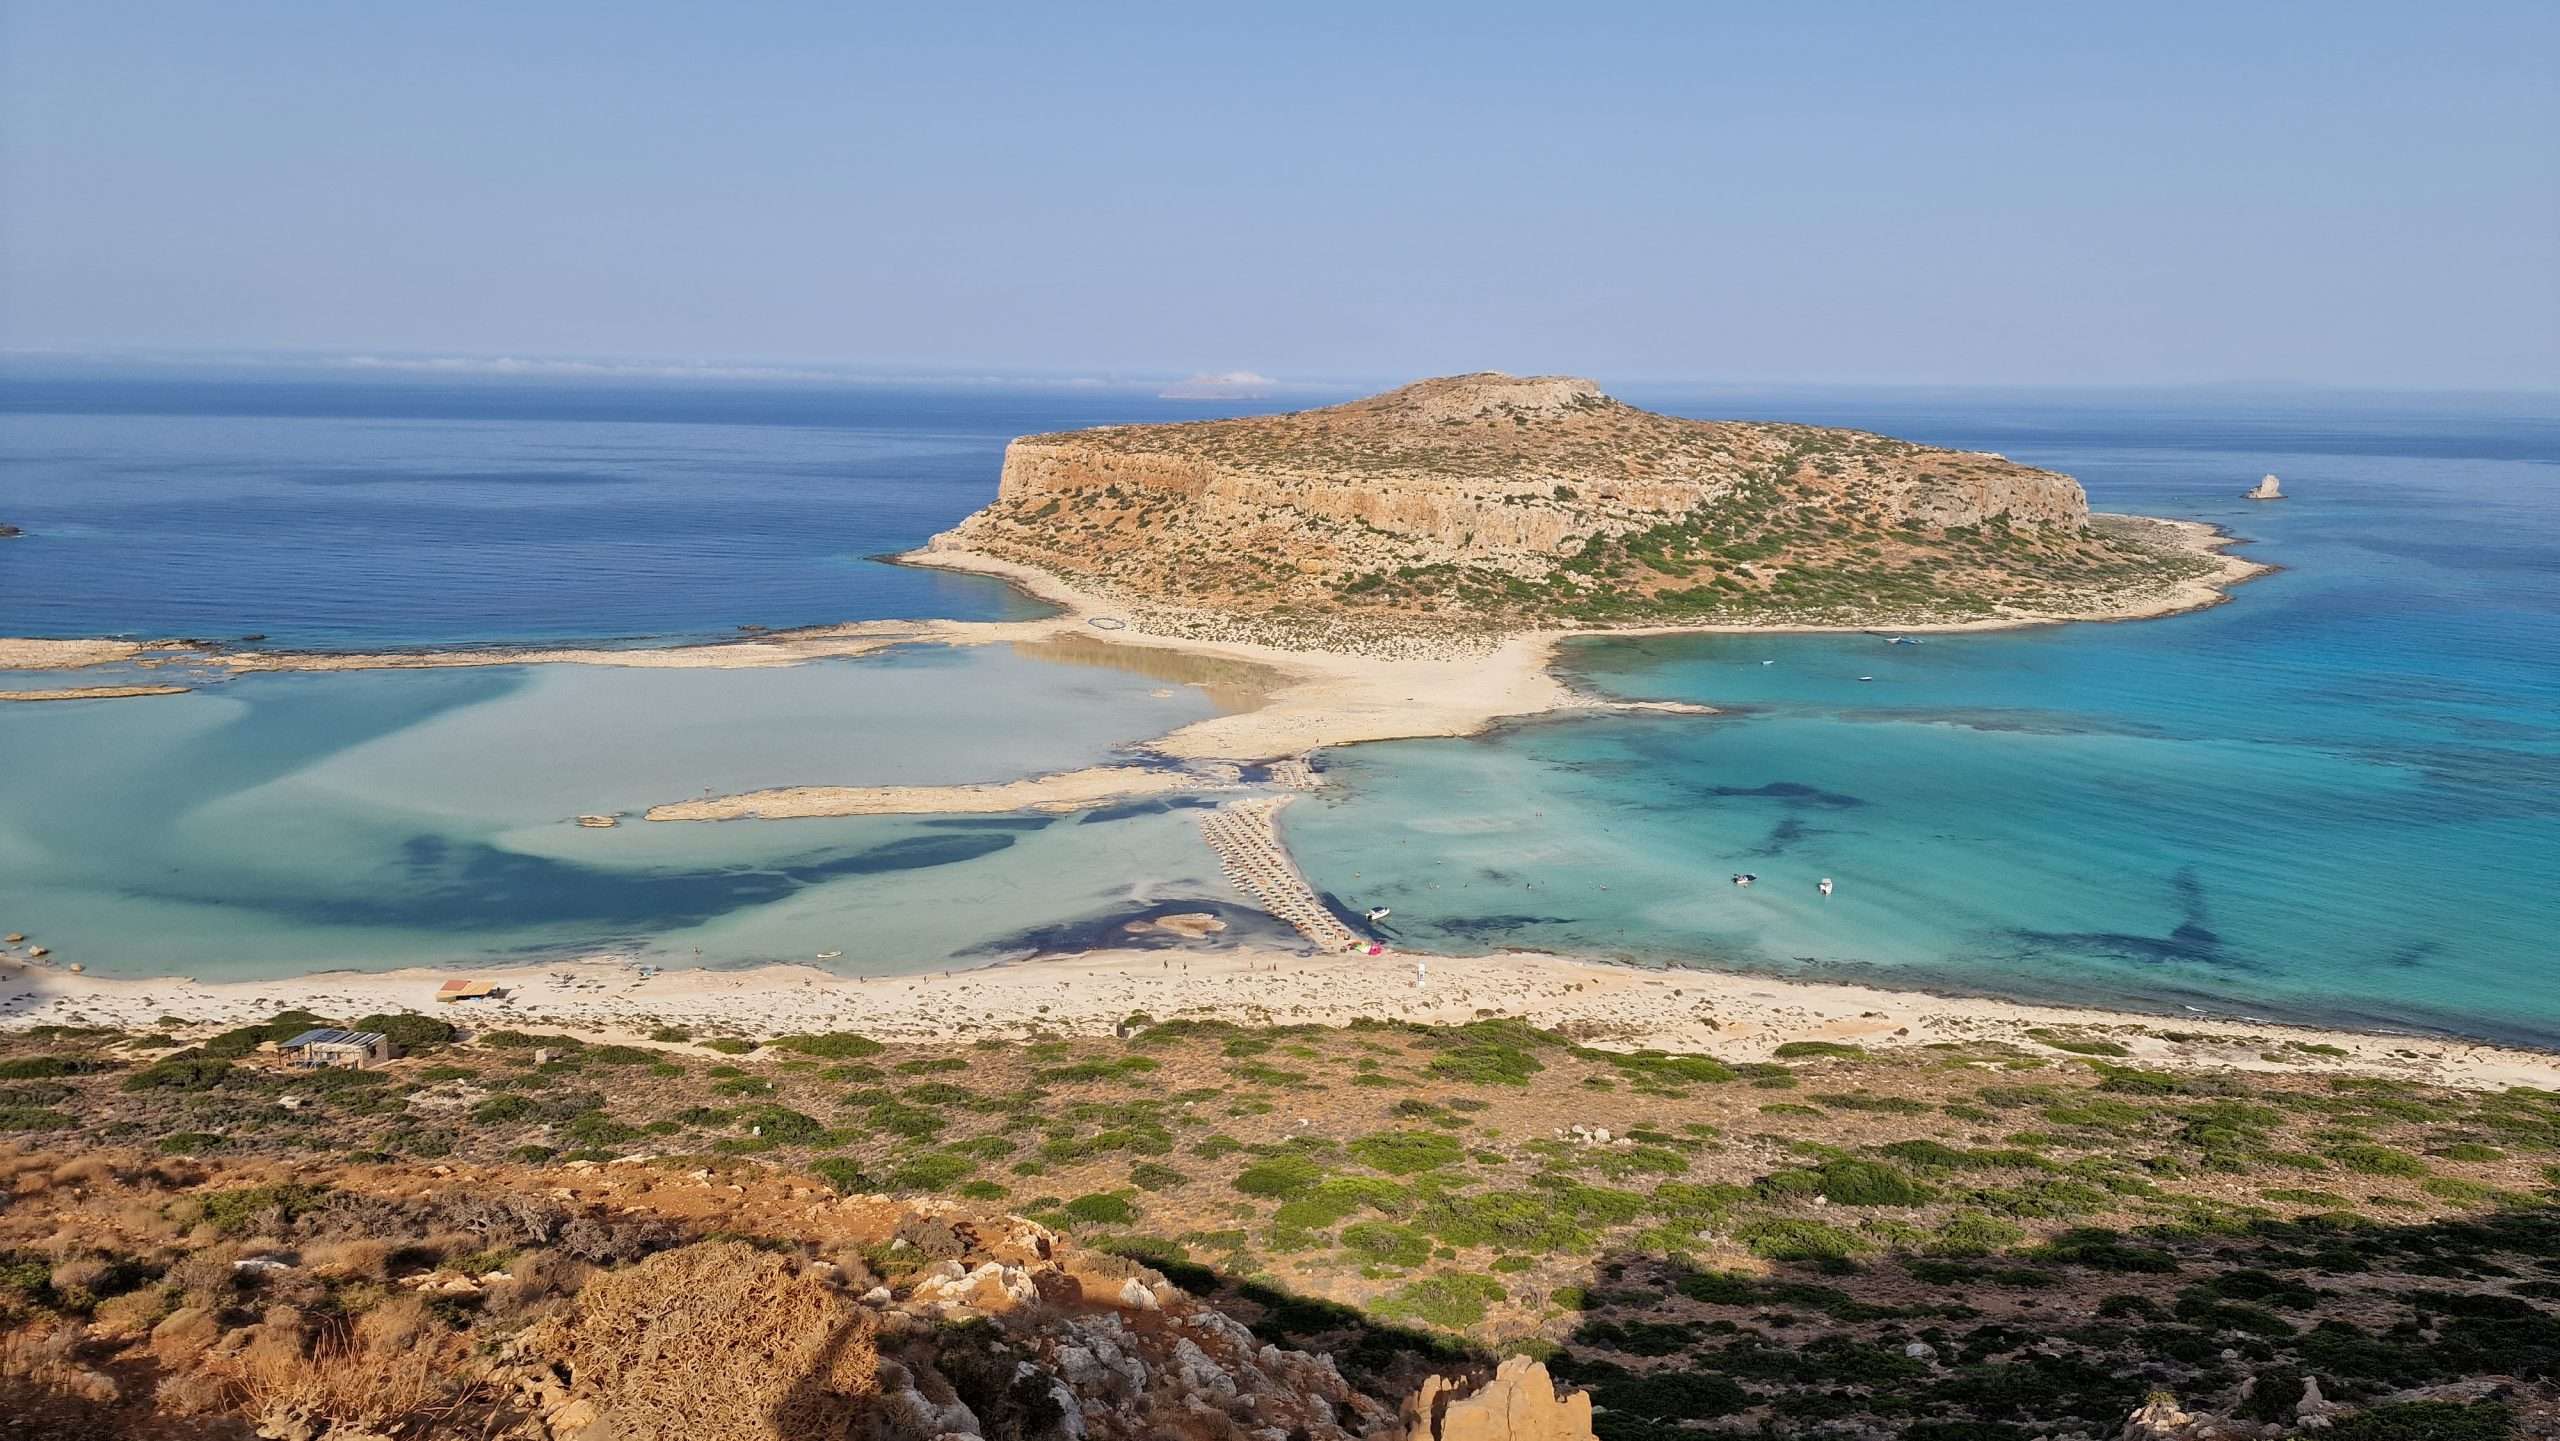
[[280, 822], [2335, 798]]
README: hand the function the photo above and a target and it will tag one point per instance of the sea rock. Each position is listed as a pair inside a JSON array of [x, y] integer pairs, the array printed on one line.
[[2267, 489], [1518, 1403]]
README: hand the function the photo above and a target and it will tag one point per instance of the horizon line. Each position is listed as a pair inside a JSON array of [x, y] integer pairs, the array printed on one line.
[[1200, 385]]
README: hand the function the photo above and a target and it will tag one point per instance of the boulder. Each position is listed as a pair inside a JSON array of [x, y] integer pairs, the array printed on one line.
[[1518, 1403], [2267, 489]]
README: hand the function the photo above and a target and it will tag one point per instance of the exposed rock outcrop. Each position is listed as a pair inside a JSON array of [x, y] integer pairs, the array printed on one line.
[[1006, 1334], [1518, 1403], [2267, 488]]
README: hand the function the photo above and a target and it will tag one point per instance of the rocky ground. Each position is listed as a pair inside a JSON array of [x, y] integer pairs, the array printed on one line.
[[1204, 1229]]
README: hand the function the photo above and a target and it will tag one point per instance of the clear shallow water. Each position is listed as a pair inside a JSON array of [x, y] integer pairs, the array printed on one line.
[[367, 515], [374, 819], [2337, 797], [2333, 798]]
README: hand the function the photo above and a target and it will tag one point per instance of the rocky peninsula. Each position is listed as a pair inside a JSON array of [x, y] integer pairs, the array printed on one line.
[[1495, 502]]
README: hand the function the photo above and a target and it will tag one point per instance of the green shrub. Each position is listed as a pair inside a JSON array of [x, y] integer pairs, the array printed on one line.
[[1809, 1050], [1153, 1176], [185, 1071], [502, 1108], [1386, 1243], [407, 1029], [2367, 1159], [728, 1045], [929, 1171], [1280, 1177], [1850, 1182], [1789, 1238], [915, 1123], [845, 1175], [829, 1045], [1487, 1063], [43, 1068], [1972, 1233], [1452, 1300], [1406, 1153], [1100, 1208], [782, 1125], [243, 1208]]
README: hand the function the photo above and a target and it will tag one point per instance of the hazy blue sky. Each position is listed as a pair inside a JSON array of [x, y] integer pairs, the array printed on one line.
[[2341, 192]]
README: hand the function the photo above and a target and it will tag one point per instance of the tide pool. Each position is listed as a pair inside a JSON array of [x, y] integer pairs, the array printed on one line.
[[2335, 798], [285, 822]]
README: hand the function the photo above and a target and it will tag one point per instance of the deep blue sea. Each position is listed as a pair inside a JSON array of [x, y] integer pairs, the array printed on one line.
[[356, 514], [2335, 798]]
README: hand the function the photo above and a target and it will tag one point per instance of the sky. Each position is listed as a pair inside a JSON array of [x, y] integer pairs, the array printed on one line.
[[2341, 194]]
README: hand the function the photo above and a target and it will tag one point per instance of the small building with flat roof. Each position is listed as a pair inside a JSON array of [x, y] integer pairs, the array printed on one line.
[[329, 1046]]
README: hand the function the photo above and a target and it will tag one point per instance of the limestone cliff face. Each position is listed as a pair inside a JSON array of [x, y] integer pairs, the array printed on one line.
[[1492, 494]]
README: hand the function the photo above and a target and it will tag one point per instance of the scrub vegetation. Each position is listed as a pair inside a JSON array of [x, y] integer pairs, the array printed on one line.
[[1974, 1240]]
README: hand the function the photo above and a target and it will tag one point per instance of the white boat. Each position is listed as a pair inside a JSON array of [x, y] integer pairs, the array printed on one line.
[[1826, 885], [830, 955]]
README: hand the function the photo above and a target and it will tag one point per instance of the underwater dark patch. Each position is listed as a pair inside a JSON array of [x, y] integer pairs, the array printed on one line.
[[470, 887], [1110, 931], [1153, 806], [1792, 792], [1483, 926]]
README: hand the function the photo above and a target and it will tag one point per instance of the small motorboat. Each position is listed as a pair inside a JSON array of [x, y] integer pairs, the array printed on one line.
[[1866, 677], [1379, 913], [1826, 885], [830, 955], [1768, 662], [1743, 878]]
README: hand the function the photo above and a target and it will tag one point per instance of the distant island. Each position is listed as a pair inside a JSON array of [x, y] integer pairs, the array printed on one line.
[[1502, 502]]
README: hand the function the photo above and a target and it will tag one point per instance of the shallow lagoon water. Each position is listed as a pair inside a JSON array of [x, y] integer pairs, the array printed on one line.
[[2335, 798], [377, 818]]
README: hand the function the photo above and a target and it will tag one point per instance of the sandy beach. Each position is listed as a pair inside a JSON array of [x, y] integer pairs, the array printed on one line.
[[1737, 1017], [24, 653], [92, 692], [1294, 702]]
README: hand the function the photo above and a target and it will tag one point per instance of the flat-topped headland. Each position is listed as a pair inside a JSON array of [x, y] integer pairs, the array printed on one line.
[[1496, 503]]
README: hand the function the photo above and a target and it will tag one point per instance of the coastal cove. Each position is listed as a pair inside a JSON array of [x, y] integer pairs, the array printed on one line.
[[2170, 817]]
